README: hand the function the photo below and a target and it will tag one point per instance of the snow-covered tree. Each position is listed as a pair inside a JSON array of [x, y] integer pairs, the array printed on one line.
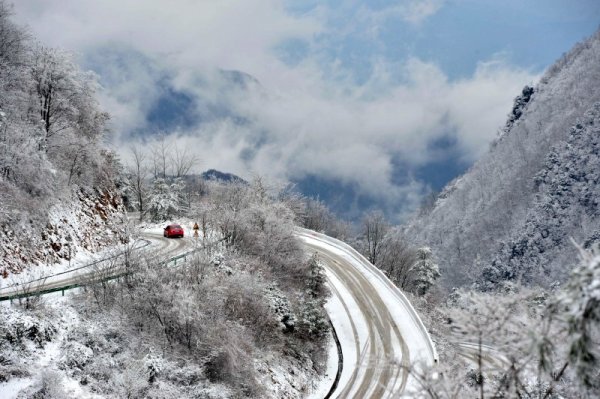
[[411, 269], [375, 228], [316, 215], [426, 271], [536, 186], [313, 323], [63, 97], [316, 279], [165, 199], [397, 259], [137, 182], [51, 147], [522, 342], [565, 205], [581, 299]]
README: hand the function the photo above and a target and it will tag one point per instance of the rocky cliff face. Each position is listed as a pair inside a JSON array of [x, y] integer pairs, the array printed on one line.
[[93, 219]]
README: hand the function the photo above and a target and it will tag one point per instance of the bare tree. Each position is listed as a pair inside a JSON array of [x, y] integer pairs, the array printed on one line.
[[397, 258], [170, 160], [316, 215], [374, 229], [138, 171], [183, 161], [161, 156]]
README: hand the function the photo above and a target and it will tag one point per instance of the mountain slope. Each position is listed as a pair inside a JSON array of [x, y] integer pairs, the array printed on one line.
[[495, 201], [565, 206], [58, 189]]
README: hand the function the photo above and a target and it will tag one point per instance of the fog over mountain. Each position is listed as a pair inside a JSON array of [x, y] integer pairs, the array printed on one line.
[[365, 105], [355, 152]]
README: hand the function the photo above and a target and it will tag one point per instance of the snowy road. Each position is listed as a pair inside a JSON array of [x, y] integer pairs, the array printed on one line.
[[160, 247], [380, 332]]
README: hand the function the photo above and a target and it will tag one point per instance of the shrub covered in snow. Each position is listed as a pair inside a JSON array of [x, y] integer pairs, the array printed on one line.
[[75, 356], [280, 306], [18, 326], [47, 386], [520, 343]]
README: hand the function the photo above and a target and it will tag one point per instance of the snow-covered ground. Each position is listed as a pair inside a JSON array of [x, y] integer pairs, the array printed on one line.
[[323, 386], [84, 262], [40, 358], [48, 272], [43, 365], [378, 329]]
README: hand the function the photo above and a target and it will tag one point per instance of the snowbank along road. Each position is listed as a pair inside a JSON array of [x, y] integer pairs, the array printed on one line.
[[380, 332]]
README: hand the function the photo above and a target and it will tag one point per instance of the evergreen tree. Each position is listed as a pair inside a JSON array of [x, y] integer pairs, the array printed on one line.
[[316, 280], [313, 322], [426, 271]]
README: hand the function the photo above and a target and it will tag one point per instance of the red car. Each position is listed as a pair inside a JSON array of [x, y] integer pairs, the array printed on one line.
[[173, 230]]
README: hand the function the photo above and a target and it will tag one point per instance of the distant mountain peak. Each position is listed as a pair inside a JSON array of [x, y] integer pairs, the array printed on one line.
[[215, 175]]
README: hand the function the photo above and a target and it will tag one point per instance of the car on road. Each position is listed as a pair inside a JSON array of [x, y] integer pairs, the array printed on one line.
[[173, 231]]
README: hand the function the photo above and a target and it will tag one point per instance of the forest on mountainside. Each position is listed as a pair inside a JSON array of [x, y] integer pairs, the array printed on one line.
[[57, 179], [510, 217]]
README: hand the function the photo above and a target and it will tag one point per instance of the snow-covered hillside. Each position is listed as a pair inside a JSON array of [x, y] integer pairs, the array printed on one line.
[[519, 204], [57, 181], [565, 206], [89, 221]]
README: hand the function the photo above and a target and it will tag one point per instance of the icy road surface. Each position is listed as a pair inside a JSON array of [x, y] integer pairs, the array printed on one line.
[[379, 330]]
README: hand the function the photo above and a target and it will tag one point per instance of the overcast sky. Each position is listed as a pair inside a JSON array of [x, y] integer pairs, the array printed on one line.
[[384, 100]]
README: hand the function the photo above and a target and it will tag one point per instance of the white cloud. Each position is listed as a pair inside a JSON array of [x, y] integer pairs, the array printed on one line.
[[231, 34], [414, 12], [353, 136], [478, 106], [305, 123]]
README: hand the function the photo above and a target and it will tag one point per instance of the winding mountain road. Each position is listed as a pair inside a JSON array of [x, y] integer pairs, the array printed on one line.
[[380, 331], [156, 245]]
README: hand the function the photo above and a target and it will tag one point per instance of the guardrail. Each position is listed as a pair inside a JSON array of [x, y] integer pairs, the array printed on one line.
[[340, 365], [87, 265], [83, 280]]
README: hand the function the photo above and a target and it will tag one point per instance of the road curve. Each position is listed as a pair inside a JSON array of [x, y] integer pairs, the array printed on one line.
[[381, 333], [159, 247]]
